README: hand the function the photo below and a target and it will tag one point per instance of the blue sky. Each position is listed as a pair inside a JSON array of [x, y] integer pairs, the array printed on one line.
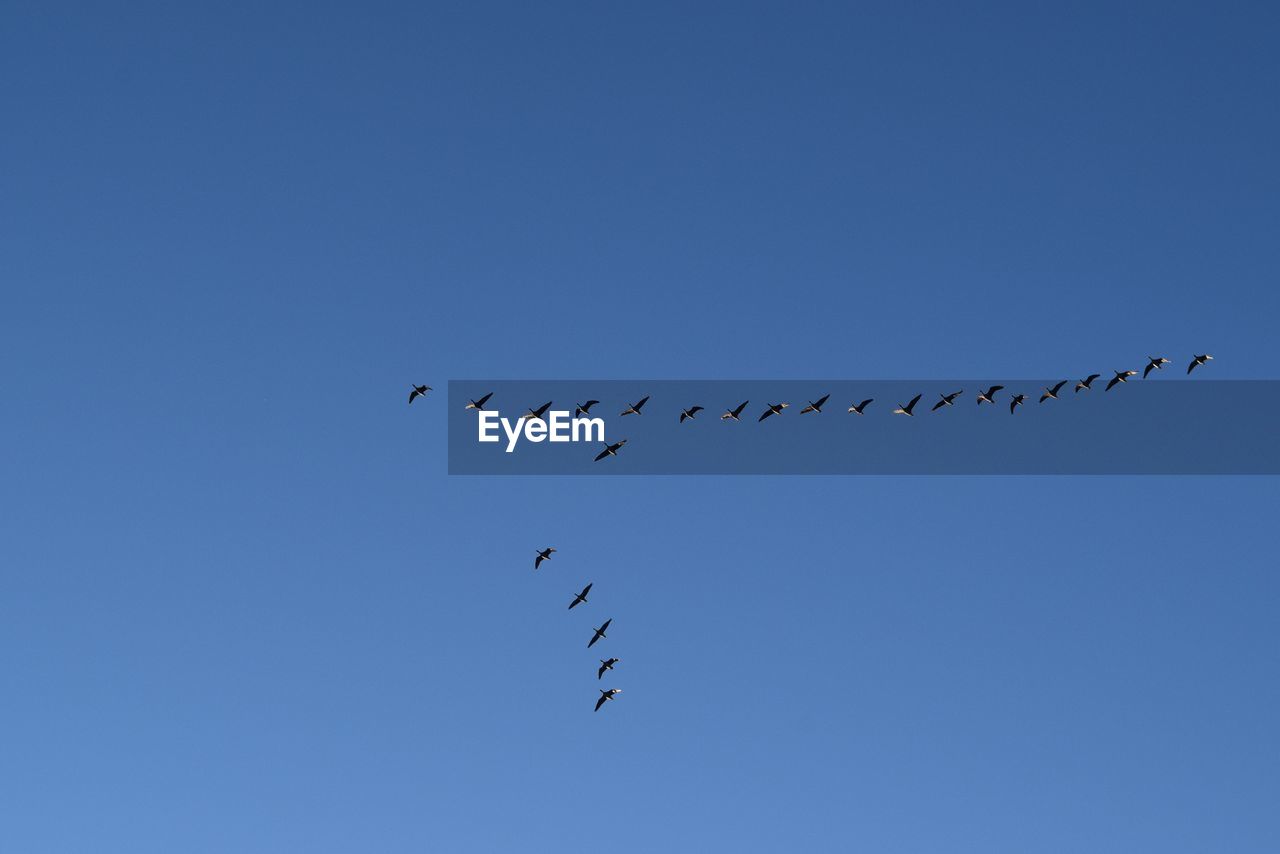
[[243, 607]]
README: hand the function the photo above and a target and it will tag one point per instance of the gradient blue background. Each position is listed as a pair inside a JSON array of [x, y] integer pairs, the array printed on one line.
[[242, 607]]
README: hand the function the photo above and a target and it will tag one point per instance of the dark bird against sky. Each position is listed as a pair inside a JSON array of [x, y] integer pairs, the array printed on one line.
[[859, 407], [599, 633], [418, 391], [815, 407], [1120, 377], [1197, 361], [734, 413], [545, 554], [689, 413], [774, 409], [580, 598], [606, 696], [946, 400], [479, 404], [988, 396], [610, 450], [634, 409], [906, 410]]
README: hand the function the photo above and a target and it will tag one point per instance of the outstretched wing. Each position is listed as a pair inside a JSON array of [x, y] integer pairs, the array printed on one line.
[[938, 405], [1059, 386], [1114, 380], [537, 562], [642, 402], [913, 402], [765, 414], [482, 401], [1191, 366], [821, 401], [600, 456], [601, 701]]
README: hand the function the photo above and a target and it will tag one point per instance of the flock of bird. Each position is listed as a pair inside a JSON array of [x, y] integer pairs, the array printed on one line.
[[611, 449], [598, 632]]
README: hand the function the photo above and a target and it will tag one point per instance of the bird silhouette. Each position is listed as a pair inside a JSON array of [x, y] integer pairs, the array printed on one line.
[[599, 633], [1052, 393], [815, 407], [689, 413], [774, 409], [610, 450], [1016, 402], [479, 404], [1120, 377], [906, 410], [584, 408], [1154, 363], [988, 396], [606, 696], [634, 409], [946, 400], [418, 391], [545, 554], [580, 598], [734, 413], [606, 664], [1086, 383], [1197, 361], [859, 407]]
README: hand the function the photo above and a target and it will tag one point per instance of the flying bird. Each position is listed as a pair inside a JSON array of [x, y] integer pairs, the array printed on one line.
[[860, 406], [1086, 383], [634, 409], [537, 413], [774, 409], [906, 410], [610, 450], [418, 391], [946, 400], [734, 413], [479, 404], [606, 664], [545, 554], [1016, 401], [689, 413], [599, 633], [580, 598], [606, 696], [988, 396], [1199, 360], [815, 407], [1052, 393], [1120, 377], [584, 408], [1154, 363]]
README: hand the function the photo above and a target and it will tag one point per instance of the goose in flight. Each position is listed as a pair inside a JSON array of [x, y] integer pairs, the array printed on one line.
[[946, 400], [815, 407], [1086, 383], [634, 409], [545, 554], [479, 404], [418, 391], [1120, 377], [606, 664], [610, 450], [580, 598], [537, 413], [1197, 361], [1016, 401], [599, 633], [606, 696], [1052, 393], [689, 413], [906, 410], [1154, 363], [774, 409], [734, 413], [988, 396], [584, 408], [859, 407]]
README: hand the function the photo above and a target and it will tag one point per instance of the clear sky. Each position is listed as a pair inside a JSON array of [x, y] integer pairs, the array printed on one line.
[[243, 608]]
